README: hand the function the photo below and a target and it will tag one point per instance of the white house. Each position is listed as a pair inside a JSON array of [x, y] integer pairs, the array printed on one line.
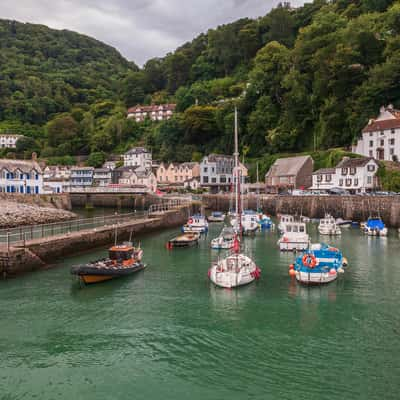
[[160, 112], [138, 157], [9, 141], [138, 176], [17, 176], [216, 172], [56, 185], [381, 137], [324, 179], [81, 176], [102, 177], [357, 175]]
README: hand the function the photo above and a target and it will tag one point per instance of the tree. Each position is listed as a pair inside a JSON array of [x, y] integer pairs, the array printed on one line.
[[61, 129], [96, 159]]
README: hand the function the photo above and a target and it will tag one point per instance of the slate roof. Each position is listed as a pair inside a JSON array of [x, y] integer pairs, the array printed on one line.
[[325, 171], [354, 162], [137, 150], [21, 165], [288, 166]]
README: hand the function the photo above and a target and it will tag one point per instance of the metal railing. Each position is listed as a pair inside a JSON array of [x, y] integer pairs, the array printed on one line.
[[169, 205], [19, 235]]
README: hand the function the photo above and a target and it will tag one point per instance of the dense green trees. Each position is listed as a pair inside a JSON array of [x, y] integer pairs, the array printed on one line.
[[303, 79]]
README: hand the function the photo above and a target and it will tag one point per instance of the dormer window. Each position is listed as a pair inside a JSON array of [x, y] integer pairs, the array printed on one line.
[[382, 133], [393, 131], [371, 168]]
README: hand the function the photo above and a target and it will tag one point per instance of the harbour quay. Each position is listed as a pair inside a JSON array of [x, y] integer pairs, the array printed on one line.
[[35, 247], [355, 208]]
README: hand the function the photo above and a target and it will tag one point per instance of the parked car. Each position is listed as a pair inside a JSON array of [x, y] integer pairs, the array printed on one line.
[[339, 192]]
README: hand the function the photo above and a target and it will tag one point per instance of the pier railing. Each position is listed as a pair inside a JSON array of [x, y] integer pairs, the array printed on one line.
[[169, 205], [19, 235]]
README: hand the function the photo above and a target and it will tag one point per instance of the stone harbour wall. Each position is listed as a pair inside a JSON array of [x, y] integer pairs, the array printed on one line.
[[113, 200], [41, 253], [356, 208]]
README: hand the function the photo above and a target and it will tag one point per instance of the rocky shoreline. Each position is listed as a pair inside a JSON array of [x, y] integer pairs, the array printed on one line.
[[14, 214]]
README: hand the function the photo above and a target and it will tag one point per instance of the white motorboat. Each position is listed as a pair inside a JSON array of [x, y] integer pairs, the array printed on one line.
[[216, 216], [196, 223], [250, 222], [375, 227], [328, 226], [284, 220], [225, 240], [237, 269], [294, 238], [344, 223]]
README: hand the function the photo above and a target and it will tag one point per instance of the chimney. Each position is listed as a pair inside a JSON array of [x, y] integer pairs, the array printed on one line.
[[382, 109], [34, 156]]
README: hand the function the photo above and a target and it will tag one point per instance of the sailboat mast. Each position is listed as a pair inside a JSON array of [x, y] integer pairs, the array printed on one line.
[[236, 156]]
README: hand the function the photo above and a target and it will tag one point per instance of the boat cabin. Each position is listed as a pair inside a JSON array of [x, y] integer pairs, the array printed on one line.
[[295, 227], [120, 253]]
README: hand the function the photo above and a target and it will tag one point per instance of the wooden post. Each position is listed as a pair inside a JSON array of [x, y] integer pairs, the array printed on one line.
[[8, 241]]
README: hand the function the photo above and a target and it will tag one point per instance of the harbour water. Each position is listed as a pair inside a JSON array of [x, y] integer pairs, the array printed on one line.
[[168, 333]]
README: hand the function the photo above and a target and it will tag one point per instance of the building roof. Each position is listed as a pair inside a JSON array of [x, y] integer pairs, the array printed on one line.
[[82, 169], [189, 165], [21, 165], [354, 162], [102, 171], [389, 118], [325, 171], [137, 150], [288, 166], [216, 157], [154, 107]]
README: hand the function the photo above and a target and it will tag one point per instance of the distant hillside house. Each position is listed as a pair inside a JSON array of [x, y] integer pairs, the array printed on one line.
[[9, 141], [138, 157], [177, 173], [324, 179], [160, 112], [289, 173], [216, 173], [18, 176], [380, 139], [102, 177]]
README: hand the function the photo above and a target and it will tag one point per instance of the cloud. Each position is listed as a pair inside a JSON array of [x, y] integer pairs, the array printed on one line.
[[139, 29]]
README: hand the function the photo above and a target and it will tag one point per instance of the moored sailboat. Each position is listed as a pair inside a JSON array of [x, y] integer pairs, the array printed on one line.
[[237, 269]]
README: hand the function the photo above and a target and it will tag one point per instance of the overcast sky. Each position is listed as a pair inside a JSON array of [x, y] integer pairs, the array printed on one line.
[[139, 29]]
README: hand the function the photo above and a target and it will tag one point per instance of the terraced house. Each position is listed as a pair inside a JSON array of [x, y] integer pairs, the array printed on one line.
[[175, 173], [17, 176]]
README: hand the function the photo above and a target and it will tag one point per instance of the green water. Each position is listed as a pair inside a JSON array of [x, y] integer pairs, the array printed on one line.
[[168, 334]]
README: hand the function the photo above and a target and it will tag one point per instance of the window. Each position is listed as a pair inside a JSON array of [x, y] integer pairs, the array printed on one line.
[[371, 143], [213, 170], [369, 180], [393, 131], [356, 182], [349, 182], [392, 151], [382, 133], [223, 179], [340, 182], [353, 171], [371, 134], [371, 168], [371, 153], [382, 142], [205, 170], [392, 141], [214, 180], [319, 178], [344, 171], [328, 178]]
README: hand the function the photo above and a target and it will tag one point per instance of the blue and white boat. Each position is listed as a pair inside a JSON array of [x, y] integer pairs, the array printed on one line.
[[375, 227], [196, 223], [320, 264]]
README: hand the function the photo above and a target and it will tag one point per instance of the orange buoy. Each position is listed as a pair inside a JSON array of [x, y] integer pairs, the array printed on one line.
[[292, 272], [291, 266]]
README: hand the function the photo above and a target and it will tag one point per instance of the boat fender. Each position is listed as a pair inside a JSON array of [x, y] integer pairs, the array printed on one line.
[[285, 239], [345, 262], [332, 272], [209, 273], [190, 222], [340, 270], [309, 260], [291, 267], [292, 272]]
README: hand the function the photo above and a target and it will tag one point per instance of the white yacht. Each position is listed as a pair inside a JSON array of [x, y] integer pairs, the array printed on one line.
[[294, 237], [328, 226], [237, 269]]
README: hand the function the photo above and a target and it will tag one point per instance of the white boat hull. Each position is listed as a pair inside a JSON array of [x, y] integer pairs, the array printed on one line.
[[374, 232], [234, 271], [329, 231], [292, 246], [315, 278]]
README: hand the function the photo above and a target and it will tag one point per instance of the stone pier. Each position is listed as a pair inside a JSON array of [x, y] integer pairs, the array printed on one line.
[[39, 253]]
